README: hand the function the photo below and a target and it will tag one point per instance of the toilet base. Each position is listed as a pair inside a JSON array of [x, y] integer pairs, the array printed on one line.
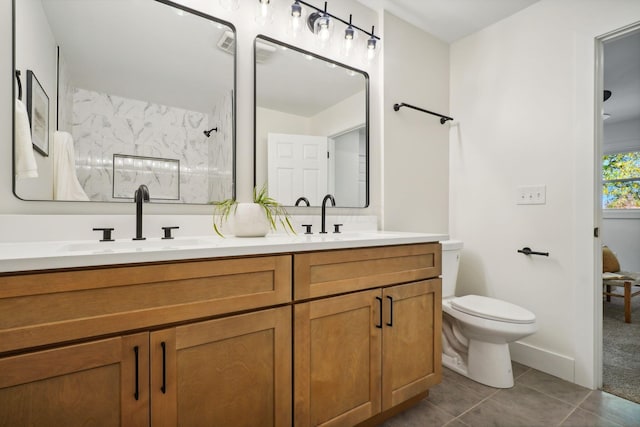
[[490, 364]]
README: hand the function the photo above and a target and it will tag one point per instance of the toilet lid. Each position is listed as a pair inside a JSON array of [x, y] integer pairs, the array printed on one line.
[[492, 309]]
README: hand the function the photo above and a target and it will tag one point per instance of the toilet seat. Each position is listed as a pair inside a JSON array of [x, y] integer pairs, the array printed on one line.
[[492, 309]]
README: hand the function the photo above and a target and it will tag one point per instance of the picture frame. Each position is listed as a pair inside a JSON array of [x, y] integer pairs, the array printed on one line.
[[38, 111]]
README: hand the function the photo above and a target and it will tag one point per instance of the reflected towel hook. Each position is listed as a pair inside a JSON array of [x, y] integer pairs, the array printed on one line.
[[19, 85], [207, 133], [443, 119]]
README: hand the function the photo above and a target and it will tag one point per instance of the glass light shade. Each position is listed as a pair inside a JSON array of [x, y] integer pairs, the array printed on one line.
[[296, 20], [372, 48], [263, 12], [323, 28], [230, 4], [350, 36]]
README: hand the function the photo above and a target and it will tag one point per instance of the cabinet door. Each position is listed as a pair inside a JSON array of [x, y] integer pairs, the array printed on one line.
[[337, 349], [234, 371], [412, 349], [92, 384]]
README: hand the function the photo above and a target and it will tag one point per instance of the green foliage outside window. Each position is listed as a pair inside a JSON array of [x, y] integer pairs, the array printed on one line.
[[621, 180]]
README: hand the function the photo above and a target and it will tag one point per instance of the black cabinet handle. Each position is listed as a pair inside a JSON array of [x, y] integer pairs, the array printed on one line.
[[390, 322], [163, 389], [379, 326], [137, 392]]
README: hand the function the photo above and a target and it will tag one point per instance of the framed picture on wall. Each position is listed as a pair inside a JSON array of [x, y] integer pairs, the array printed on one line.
[[38, 110]]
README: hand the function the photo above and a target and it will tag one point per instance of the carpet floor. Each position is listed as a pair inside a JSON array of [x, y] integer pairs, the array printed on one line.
[[621, 349]]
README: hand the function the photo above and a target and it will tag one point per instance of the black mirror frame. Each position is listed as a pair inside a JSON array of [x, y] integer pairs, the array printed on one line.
[[165, 2], [255, 104]]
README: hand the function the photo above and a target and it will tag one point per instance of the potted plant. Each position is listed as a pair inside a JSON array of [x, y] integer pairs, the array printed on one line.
[[252, 219]]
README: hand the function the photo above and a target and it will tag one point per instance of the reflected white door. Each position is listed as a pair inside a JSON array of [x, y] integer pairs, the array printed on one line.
[[297, 166]]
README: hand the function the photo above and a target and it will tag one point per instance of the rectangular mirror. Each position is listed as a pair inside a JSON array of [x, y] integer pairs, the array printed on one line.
[[139, 92], [312, 126]]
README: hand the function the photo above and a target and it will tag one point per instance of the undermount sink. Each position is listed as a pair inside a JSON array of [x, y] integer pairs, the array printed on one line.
[[141, 245]]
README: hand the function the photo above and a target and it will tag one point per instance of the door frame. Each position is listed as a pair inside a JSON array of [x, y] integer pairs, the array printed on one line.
[[598, 211]]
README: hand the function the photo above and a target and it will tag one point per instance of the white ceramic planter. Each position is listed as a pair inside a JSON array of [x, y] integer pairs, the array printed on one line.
[[250, 220]]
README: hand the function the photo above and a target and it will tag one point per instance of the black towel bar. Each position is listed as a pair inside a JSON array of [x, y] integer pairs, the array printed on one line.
[[443, 119]]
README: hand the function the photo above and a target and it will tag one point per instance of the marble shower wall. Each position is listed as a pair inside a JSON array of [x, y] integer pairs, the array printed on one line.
[[104, 125], [221, 182]]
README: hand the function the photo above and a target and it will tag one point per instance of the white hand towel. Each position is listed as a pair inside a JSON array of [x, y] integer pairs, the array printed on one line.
[[65, 181], [26, 166]]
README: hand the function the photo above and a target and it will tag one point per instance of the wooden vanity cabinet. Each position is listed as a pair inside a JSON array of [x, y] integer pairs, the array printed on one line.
[[234, 371], [102, 382], [221, 342], [358, 355], [211, 345]]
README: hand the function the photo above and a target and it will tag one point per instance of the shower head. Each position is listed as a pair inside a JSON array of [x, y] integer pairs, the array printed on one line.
[[207, 133]]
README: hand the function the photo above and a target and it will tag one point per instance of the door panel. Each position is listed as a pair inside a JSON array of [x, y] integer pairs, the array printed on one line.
[[412, 351], [80, 385], [337, 360]]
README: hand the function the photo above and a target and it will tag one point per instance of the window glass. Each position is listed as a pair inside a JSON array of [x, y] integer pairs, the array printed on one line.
[[621, 180]]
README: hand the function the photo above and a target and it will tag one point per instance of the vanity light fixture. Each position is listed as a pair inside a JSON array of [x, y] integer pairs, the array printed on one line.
[[350, 36], [371, 45], [296, 18], [263, 12], [230, 4], [320, 22]]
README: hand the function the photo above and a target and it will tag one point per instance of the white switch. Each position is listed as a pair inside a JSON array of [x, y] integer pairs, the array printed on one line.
[[531, 195]]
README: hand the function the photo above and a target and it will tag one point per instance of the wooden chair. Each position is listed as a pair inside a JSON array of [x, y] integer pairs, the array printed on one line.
[[612, 277], [627, 282]]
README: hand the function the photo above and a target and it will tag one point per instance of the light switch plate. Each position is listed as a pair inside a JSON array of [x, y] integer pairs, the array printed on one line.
[[531, 195]]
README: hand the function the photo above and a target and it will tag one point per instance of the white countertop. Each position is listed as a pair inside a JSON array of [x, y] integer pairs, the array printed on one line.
[[45, 255]]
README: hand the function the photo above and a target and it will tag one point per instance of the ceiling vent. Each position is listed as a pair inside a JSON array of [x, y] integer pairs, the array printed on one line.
[[227, 42], [263, 50]]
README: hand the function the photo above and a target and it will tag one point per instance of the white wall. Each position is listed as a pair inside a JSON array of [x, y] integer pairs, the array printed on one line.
[[247, 29], [416, 147], [523, 91], [622, 235]]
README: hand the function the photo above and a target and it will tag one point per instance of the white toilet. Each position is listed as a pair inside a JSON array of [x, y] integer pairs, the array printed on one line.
[[476, 330]]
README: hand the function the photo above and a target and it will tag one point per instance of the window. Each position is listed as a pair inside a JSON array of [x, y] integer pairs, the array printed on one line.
[[621, 180]]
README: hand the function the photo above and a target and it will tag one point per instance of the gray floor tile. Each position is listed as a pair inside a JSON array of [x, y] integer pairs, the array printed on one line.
[[480, 389], [613, 408], [553, 386], [456, 423], [582, 418], [518, 406], [424, 414], [455, 397], [518, 369]]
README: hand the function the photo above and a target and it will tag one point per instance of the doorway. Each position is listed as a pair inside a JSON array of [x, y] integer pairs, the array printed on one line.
[[618, 166]]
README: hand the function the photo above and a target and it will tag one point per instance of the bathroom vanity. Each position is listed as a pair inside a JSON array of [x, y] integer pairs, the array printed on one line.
[[337, 331]]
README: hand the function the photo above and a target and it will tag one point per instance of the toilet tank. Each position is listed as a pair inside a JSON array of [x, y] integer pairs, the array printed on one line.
[[450, 261]]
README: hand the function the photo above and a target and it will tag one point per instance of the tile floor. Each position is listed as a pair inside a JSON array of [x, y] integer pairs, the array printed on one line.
[[537, 399]]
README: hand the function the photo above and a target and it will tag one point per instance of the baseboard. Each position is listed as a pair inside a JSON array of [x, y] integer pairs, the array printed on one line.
[[543, 360]]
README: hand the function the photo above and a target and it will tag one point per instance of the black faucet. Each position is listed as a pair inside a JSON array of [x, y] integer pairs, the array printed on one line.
[[324, 210], [303, 199], [140, 196]]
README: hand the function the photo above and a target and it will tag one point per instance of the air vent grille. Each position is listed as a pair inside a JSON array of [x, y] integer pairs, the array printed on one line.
[[263, 50]]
